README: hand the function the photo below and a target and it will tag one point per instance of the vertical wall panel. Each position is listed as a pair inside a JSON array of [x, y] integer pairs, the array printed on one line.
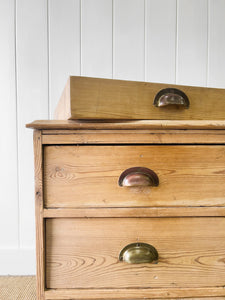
[[160, 40], [128, 39], [192, 42], [32, 87], [216, 67], [96, 38], [8, 136], [64, 46]]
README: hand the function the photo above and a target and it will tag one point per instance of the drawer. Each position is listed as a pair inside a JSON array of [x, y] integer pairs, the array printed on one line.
[[88, 175], [95, 98], [84, 253]]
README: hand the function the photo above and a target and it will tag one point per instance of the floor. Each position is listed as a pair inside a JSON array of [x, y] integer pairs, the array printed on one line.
[[17, 288]]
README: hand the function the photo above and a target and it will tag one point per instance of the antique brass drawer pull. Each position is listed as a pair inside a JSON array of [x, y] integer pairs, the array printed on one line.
[[138, 176], [138, 253], [171, 96]]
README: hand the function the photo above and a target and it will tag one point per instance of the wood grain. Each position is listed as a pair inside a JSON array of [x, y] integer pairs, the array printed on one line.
[[87, 176], [95, 98], [137, 212], [83, 253], [135, 136], [40, 230], [123, 124], [136, 294]]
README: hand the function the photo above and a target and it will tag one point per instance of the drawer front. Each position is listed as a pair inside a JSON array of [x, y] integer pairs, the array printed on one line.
[[94, 98], [87, 176], [84, 253]]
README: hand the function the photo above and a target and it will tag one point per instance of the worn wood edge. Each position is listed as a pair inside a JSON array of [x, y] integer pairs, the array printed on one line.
[[91, 294], [40, 260], [132, 131], [138, 138], [125, 124], [139, 212]]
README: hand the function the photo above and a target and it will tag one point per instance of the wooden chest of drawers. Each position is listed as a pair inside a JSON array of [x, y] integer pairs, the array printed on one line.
[[97, 208]]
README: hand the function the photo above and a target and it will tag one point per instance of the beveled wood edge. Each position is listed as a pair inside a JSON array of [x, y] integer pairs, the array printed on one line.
[[184, 137], [137, 212], [127, 124], [170, 293], [40, 257], [132, 131]]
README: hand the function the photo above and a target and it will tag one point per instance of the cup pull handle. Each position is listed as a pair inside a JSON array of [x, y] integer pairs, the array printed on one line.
[[138, 253], [138, 176], [171, 96]]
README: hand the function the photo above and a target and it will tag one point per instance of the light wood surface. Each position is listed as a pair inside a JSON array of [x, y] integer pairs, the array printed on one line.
[[191, 252], [123, 124], [133, 136], [97, 98], [147, 294], [87, 176], [40, 228], [82, 221], [137, 212]]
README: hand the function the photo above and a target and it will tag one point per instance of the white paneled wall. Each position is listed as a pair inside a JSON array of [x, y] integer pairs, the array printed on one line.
[[192, 51], [129, 39], [96, 38], [64, 35], [160, 41], [45, 41]]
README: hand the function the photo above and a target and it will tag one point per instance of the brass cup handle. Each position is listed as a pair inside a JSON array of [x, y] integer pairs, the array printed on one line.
[[138, 253], [138, 176], [171, 96]]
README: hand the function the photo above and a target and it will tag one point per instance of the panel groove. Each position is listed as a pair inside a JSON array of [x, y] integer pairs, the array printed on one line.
[[176, 41], [208, 42], [48, 55], [160, 41], [8, 121], [113, 39], [32, 99], [96, 27], [80, 4], [64, 45], [81, 42], [17, 133], [192, 42], [145, 44]]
